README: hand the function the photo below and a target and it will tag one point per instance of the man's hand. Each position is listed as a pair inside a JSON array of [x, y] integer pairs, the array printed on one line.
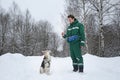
[[63, 34], [81, 47]]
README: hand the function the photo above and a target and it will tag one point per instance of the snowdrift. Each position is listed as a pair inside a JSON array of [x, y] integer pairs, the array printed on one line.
[[19, 67]]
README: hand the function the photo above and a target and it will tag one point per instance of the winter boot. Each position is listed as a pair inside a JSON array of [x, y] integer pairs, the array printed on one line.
[[81, 68], [75, 68]]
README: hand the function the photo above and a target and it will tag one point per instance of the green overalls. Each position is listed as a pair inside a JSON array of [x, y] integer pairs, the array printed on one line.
[[76, 28]]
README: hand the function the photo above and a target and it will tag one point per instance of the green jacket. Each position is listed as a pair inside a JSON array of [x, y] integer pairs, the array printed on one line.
[[76, 28]]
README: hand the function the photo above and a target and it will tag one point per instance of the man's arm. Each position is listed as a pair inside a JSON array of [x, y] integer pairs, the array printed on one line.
[[64, 35], [82, 35]]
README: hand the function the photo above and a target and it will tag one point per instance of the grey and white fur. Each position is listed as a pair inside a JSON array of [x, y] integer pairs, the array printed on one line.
[[45, 65]]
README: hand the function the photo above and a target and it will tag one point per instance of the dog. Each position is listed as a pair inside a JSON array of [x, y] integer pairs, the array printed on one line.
[[45, 65]]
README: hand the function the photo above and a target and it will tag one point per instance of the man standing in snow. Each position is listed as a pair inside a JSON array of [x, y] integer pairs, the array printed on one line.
[[76, 38]]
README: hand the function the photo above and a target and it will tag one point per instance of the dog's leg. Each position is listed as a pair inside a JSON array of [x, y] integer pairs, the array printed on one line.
[[41, 70], [47, 71]]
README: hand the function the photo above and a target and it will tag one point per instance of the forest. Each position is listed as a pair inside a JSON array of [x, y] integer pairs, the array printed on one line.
[[20, 33]]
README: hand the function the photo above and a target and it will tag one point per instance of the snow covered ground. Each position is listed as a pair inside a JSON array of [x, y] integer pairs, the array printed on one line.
[[19, 67]]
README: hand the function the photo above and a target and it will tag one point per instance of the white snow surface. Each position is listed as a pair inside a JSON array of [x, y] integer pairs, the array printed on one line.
[[19, 67]]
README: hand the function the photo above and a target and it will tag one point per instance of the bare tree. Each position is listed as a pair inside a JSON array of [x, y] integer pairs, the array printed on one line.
[[20, 33], [26, 35], [92, 34], [85, 11], [14, 12], [102, 7], [4, 22]]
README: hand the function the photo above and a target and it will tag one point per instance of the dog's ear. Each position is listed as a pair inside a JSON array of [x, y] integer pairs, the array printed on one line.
[[50, 51], [46, 51], [43, 52]]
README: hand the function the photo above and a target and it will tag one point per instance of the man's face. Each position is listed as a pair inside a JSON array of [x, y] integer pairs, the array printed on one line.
[[70, 20]]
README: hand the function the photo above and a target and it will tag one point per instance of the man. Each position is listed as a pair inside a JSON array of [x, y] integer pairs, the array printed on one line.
[[76, 38]]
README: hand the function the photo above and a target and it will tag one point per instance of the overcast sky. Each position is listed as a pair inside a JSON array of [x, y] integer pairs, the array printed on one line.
[[50, 10]]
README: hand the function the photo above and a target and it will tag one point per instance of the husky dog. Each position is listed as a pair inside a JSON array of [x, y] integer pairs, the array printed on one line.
[[45, 66]]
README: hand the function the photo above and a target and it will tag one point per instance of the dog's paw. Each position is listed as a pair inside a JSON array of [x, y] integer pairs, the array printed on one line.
[[41, 70], [48, 73]]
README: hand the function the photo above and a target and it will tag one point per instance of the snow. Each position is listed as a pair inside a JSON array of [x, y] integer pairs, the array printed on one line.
[[19, 67]]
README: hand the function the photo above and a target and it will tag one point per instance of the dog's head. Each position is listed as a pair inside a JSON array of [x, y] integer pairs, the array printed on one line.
[[46, 53]]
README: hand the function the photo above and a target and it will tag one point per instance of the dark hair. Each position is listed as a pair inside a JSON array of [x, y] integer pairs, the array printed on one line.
[[71, 16]]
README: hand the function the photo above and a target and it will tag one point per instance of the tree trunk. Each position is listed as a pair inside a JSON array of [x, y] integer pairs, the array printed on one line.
[[85, 24], [101, 36]]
